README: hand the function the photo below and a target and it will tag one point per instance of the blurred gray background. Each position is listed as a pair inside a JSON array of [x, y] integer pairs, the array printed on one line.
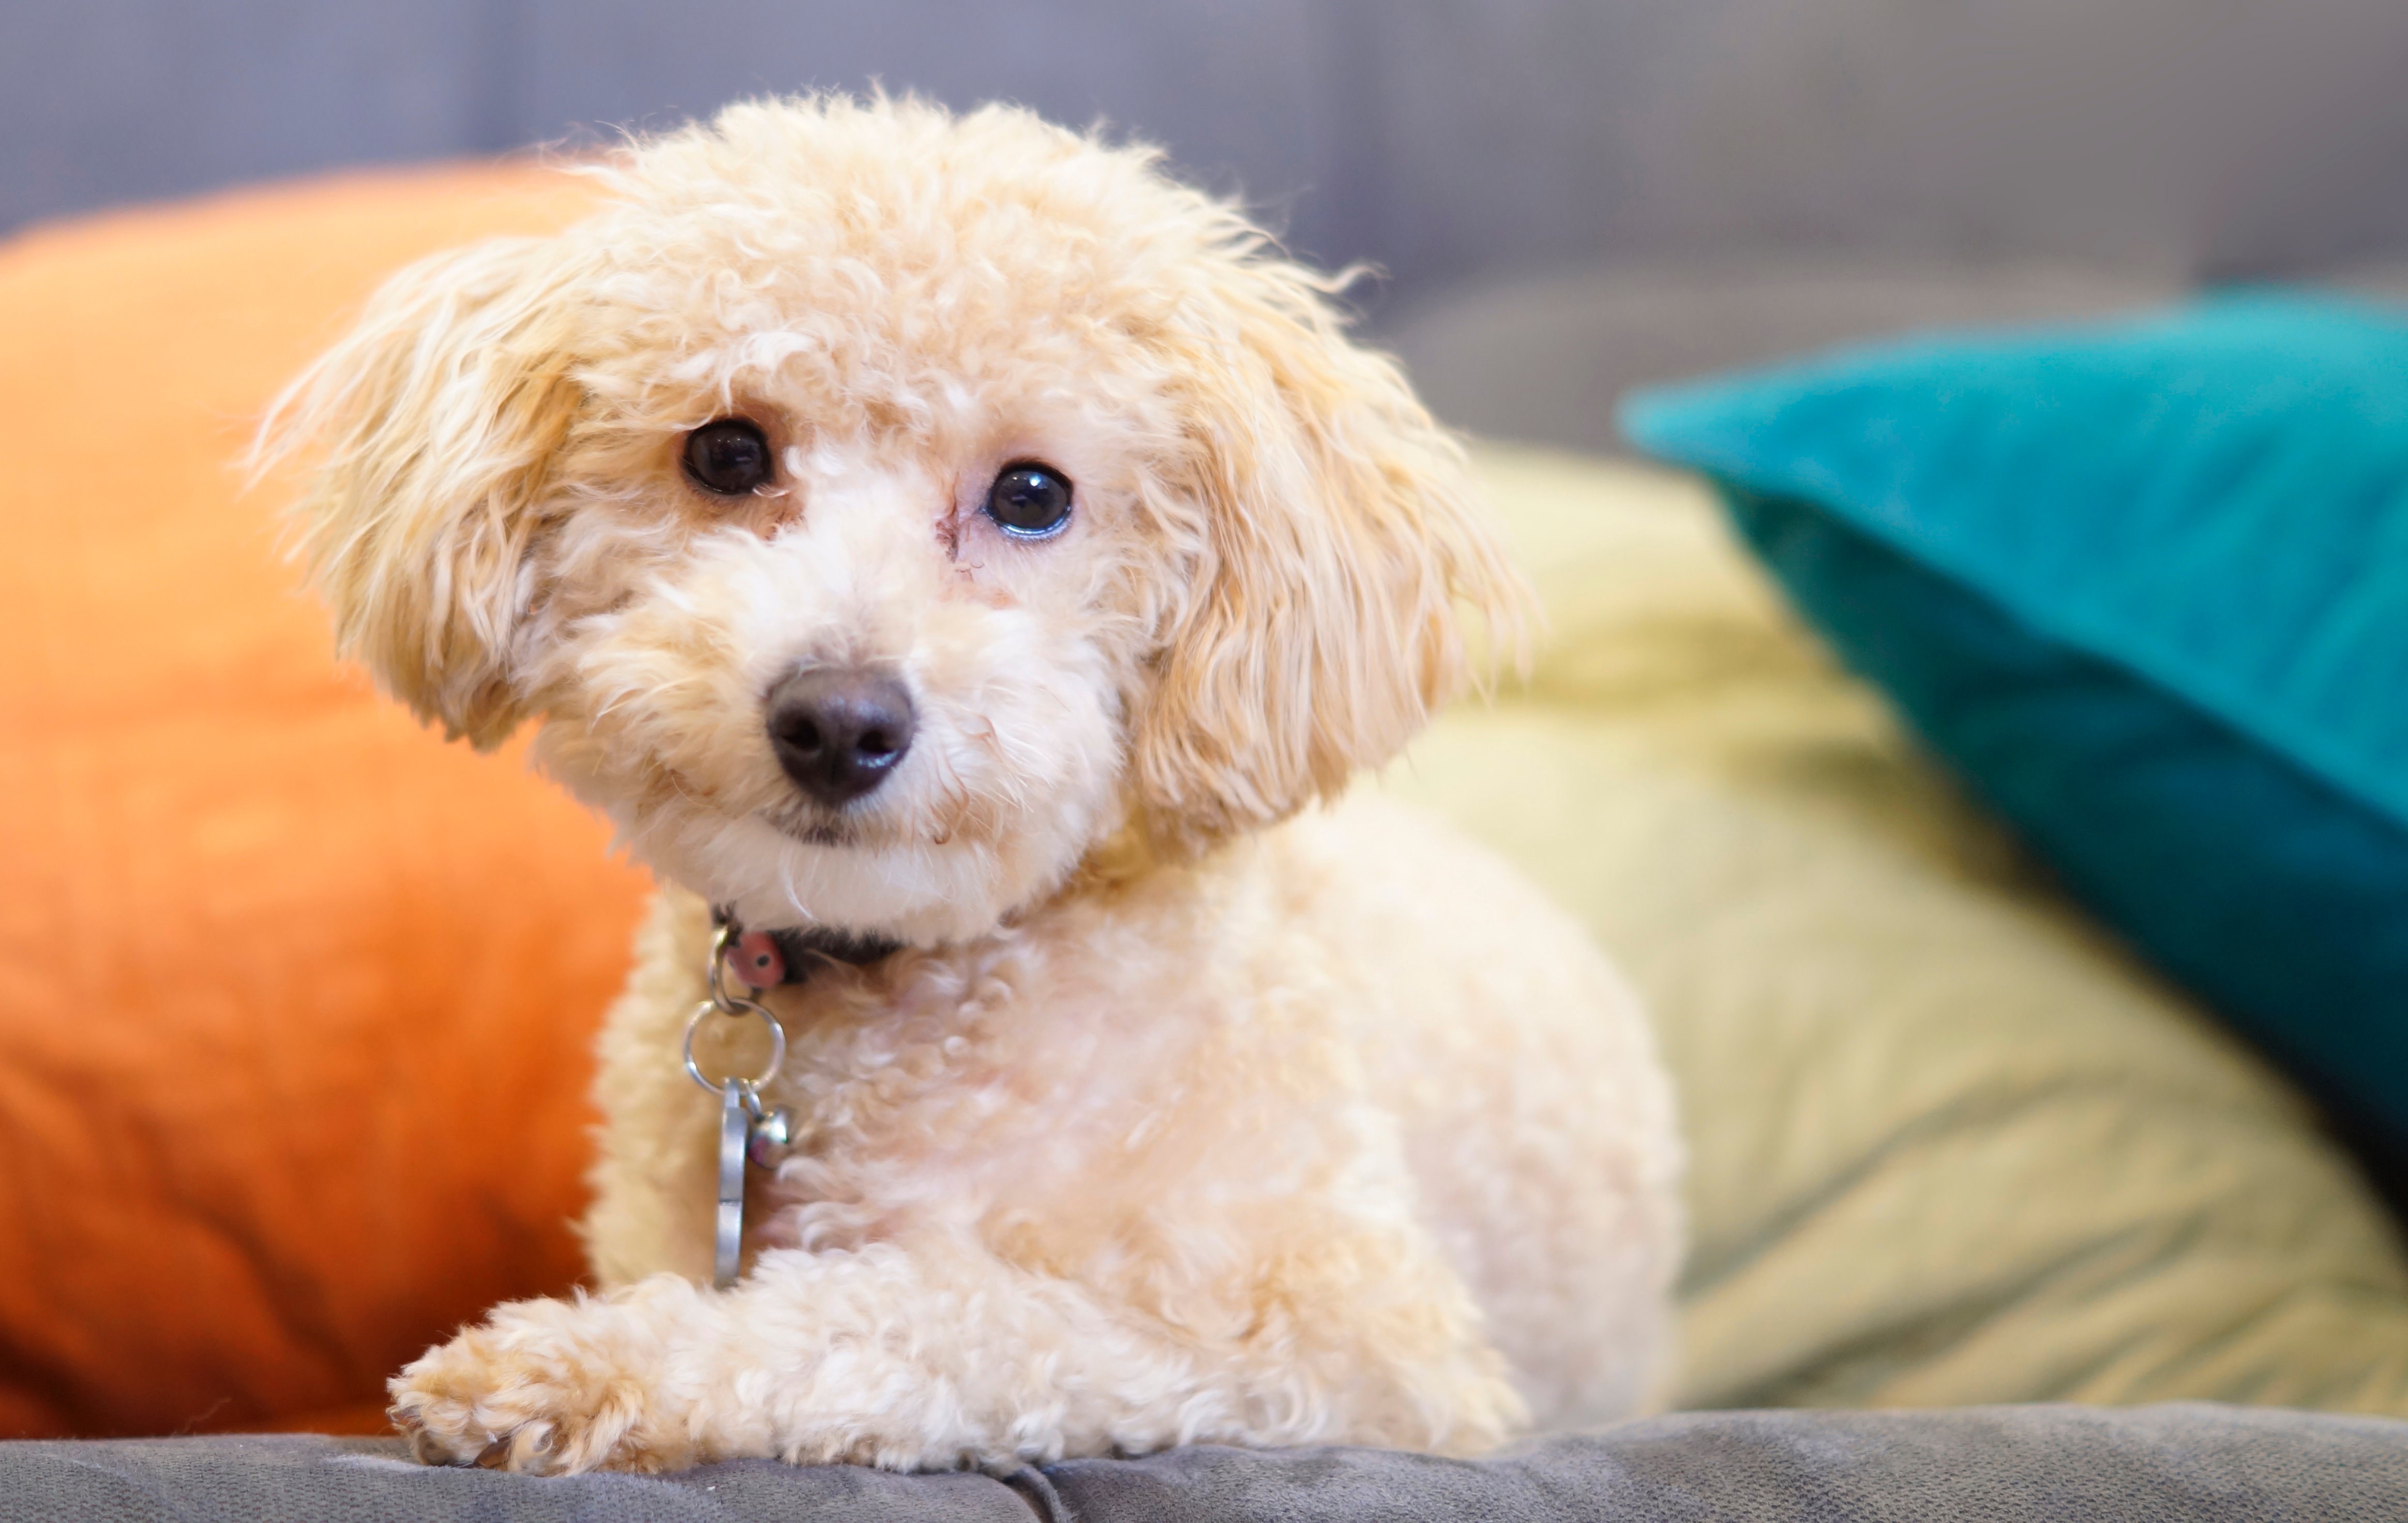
[[1599, 191]]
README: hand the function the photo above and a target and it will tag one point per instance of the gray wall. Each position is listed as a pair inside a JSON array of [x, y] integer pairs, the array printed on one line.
[[1442, 139]]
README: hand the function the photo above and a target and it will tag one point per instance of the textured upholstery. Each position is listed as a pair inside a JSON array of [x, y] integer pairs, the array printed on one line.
[[2002, 1465]]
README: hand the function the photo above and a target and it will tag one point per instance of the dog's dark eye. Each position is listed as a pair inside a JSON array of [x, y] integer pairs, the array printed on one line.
[[730, 457], [1029, 499]]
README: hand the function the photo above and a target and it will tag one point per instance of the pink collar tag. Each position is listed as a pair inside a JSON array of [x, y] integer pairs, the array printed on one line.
[[755, 959]]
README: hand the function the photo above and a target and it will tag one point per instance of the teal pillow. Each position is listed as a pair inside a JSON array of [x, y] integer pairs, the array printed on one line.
[[2145, 586]]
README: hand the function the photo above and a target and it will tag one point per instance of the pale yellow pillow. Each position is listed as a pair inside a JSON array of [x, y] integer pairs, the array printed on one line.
[[1949, 1143]]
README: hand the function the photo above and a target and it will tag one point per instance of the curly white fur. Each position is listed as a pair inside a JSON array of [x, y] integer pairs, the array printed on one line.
[[1181, 1115]]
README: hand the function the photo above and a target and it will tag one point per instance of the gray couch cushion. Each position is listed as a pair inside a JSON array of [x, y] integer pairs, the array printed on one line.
[[1542, 360], [1447, 141], [299, 1478], [2169, 1465]]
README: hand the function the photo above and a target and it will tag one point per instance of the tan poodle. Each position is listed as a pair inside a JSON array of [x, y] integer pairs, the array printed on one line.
[[955, 555]]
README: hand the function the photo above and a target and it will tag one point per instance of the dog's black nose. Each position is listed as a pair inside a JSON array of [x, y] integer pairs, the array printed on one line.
[[838, 732]]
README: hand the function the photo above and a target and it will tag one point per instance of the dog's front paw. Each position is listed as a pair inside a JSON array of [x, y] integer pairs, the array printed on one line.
[[549, 1387]]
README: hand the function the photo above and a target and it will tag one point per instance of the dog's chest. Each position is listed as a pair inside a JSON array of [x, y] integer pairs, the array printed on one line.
[[1082, 1078], [952, 1085]]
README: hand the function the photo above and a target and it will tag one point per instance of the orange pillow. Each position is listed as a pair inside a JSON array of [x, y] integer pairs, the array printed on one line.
[[295, 1000]]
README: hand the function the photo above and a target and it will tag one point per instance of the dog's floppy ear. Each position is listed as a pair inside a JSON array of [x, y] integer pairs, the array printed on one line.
[[1347, 584], [433, 425]]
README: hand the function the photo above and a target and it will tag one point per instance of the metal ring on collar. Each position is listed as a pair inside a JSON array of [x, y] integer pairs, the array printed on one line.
[[720, 936], [736, 1007]]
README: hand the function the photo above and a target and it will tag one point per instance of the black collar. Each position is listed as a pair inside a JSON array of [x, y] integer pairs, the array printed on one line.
[[802, 948]]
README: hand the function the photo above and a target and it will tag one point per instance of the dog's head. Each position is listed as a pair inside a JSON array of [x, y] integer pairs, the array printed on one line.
[[882, 510]]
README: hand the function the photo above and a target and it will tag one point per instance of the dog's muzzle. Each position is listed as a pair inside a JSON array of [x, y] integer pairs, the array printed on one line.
[[839, 732]]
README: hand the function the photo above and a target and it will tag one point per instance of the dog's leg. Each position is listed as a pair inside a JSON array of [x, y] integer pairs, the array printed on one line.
[[939, 1356], [655, 1170]]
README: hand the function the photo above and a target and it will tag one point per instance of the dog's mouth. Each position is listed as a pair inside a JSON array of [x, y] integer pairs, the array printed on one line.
[[814, 830]]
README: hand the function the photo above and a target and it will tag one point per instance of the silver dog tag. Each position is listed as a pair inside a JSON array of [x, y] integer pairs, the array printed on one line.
[[735, 1132], [746, 1128]]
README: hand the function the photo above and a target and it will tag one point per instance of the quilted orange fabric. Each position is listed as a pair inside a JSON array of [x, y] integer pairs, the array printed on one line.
[[294, 999]]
